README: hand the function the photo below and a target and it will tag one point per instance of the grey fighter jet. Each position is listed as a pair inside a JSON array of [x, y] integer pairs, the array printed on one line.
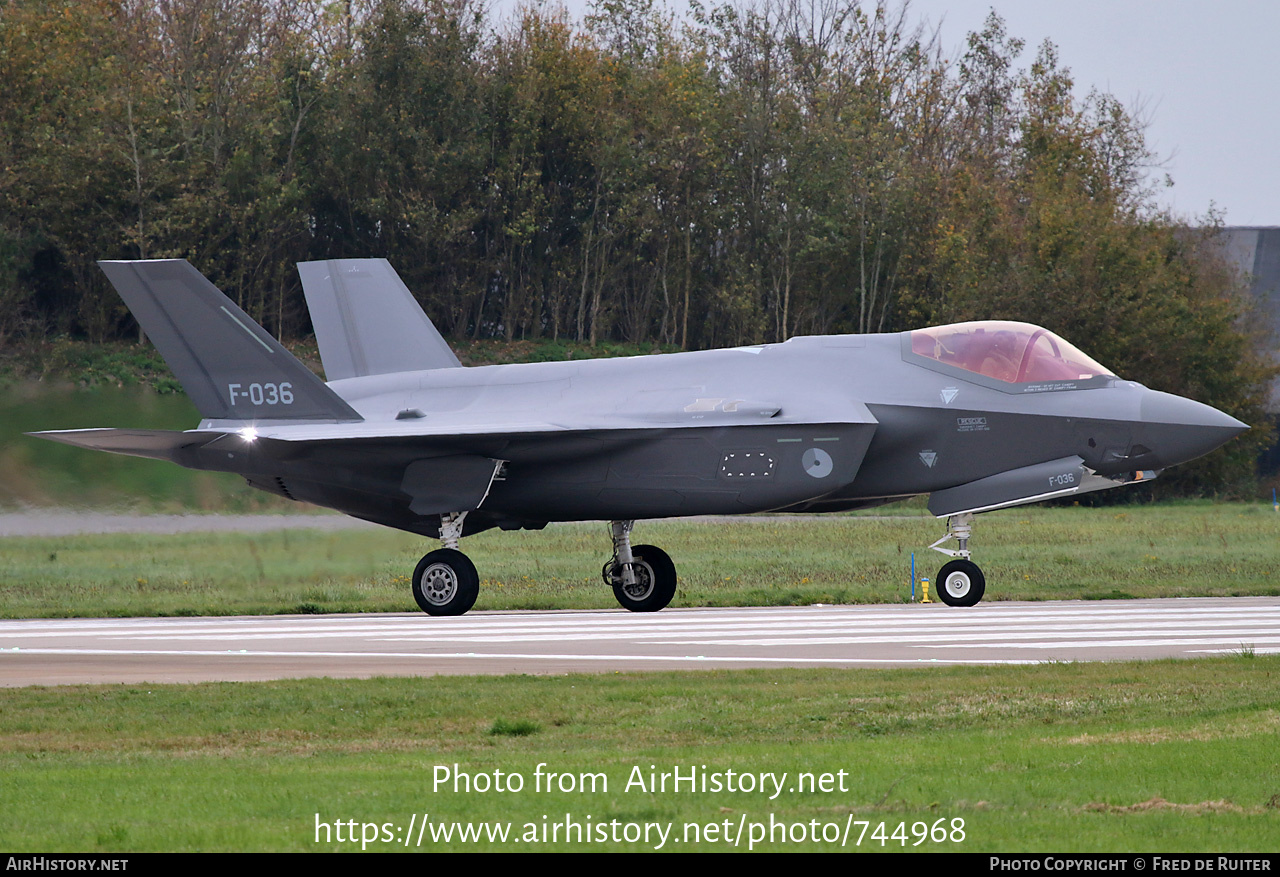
[[979, 416]]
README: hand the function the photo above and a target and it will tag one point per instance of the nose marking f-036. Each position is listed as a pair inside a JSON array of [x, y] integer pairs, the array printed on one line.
[[817, 463]]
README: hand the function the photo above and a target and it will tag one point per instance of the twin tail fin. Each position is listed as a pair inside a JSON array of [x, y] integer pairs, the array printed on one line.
[[229, 365]]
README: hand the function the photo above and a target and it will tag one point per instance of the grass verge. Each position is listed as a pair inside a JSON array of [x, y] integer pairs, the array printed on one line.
[[1162, 756], [1167, 550]]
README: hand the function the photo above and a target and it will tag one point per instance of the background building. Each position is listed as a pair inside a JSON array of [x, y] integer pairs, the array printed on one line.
[[1256, 251]]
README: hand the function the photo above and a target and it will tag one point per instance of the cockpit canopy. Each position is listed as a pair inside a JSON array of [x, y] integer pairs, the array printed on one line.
[[1014, 353]]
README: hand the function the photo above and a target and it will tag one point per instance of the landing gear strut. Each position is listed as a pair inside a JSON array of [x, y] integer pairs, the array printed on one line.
[[960, 582], [445, 581], [643, 577]]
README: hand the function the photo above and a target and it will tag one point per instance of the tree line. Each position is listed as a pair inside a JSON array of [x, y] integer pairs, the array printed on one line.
[[753, 172]]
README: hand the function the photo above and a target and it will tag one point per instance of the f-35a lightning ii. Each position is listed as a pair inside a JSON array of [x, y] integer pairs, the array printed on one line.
[[979, 416]]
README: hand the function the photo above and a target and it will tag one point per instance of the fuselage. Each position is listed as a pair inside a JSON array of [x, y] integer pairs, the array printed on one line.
[[815, 423]]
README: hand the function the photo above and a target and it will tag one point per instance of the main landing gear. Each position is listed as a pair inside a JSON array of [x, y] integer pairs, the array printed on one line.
[[445, 581], [960, 582], [643, 577]]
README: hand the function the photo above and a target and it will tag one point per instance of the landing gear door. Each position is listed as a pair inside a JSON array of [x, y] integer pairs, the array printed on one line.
[[1103, 443], [459, 482]]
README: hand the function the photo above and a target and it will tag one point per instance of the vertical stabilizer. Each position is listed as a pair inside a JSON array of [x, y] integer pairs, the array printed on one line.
[[229, 365], [367, 322]]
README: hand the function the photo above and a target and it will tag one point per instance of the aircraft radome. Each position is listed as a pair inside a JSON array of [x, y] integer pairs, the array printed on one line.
[[980, 416]]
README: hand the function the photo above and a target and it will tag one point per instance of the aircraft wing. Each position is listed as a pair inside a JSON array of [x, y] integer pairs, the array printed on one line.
[[438, 431], [656, 463], [496, 420], [590, 464]]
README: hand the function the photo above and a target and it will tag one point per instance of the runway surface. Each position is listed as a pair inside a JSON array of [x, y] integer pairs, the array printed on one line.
[[54, 652]]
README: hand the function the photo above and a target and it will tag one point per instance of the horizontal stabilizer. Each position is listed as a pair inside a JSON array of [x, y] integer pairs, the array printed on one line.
[[229, 365], [158, 444], [1056, 478], [367, 322]]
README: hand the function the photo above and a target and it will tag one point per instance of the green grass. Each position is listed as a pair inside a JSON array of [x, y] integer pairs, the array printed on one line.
[[34, 472], [1163, 756], [1166, 550], [521, 728]]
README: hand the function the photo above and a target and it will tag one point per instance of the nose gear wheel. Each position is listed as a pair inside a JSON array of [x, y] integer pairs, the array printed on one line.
[[961, 583]]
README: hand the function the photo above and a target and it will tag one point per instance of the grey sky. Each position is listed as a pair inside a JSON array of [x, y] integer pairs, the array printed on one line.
[[1206, 74]]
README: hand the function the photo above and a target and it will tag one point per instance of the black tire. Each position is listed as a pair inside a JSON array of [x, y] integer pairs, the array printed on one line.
[[655, 580], [961, 583], [445, 582]]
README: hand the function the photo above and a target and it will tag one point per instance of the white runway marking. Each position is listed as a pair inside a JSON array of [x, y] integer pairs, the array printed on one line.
[[168, 649], [528, 657]]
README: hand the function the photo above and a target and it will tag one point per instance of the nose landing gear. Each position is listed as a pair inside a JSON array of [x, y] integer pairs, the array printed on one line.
[[960, 581]]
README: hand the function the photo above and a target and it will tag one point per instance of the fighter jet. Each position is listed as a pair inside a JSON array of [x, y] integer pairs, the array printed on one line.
[[978, 416]]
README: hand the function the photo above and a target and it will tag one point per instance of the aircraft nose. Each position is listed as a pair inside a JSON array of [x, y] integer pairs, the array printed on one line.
[[1177, 429]]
